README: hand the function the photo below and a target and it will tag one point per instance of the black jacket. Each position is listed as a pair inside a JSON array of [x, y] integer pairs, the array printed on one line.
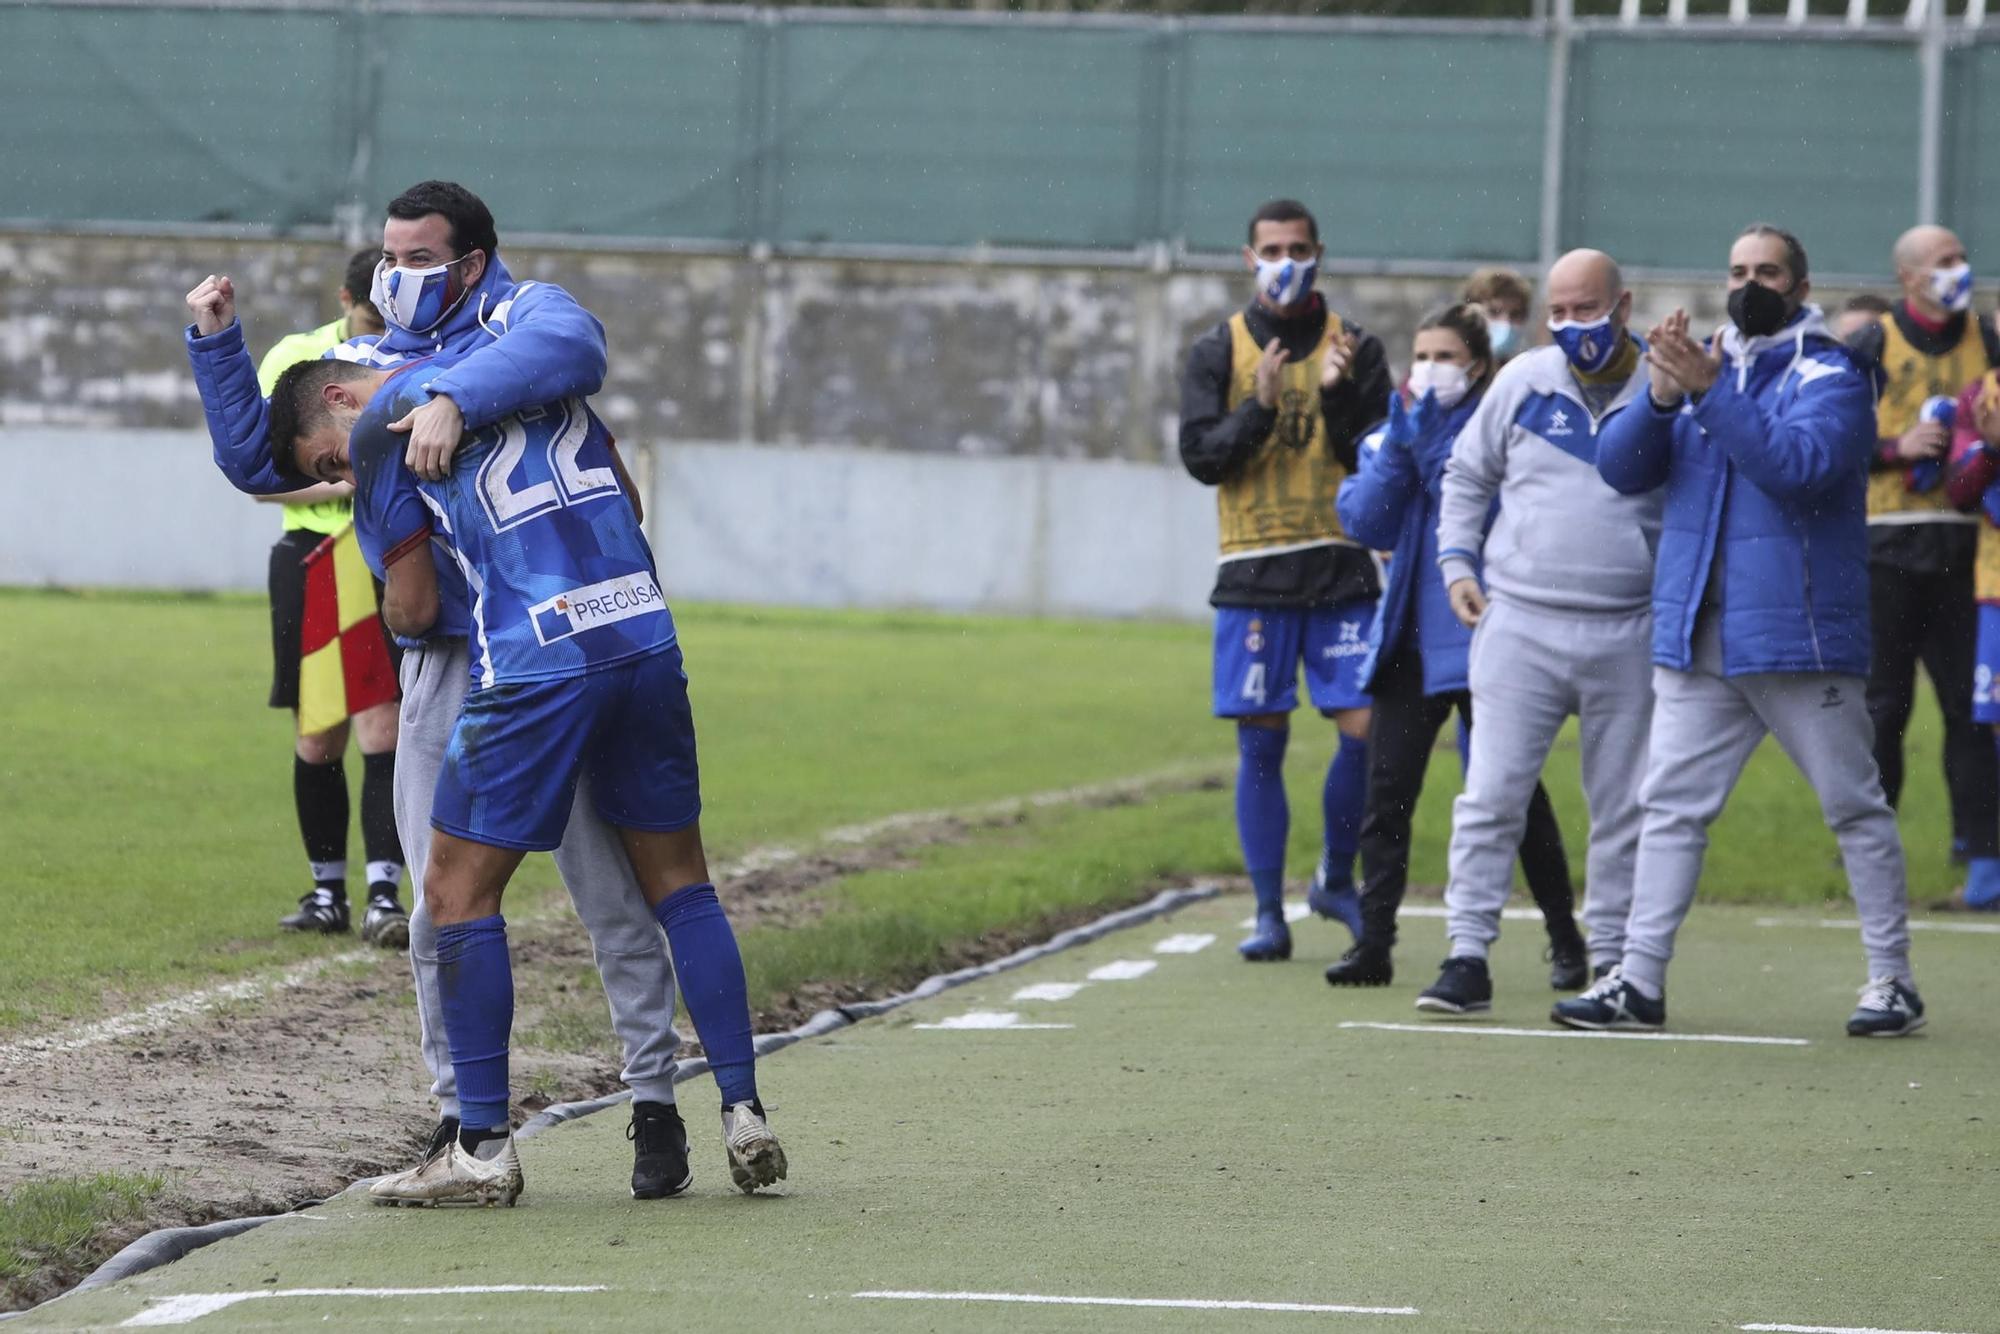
[[1216, 442]]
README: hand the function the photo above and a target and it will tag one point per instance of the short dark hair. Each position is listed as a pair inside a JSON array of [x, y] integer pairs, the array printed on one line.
[[470, 220], [1795, 254], [298, 408], [1468, 321], [359, 281], [1866, 302], [1282, 210]]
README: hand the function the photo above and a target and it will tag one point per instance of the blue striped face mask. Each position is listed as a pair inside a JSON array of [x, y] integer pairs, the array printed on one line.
[[416, 300], [1285, 282]]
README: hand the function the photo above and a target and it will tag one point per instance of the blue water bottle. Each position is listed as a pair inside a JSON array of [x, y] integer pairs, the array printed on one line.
[[1927, 473]]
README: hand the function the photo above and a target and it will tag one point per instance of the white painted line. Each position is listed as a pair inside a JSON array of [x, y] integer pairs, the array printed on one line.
[[1483, 1030], [1298, 912], [1177, 1304], [984, 1021], [190, 1307], [1183, 944], [1837, 1329], [1122, 970], [164, 1014], [1850, 924], [1050, 991], [1294, 912], [1439, 910]]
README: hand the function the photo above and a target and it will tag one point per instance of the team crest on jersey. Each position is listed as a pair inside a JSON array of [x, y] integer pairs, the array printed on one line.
[[1295, 419], [1253, 640], [1559, 423], [587, 608]]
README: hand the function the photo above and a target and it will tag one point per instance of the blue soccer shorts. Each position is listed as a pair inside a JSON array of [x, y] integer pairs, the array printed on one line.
[[1257, 653], [1986, 668], [519, 749]]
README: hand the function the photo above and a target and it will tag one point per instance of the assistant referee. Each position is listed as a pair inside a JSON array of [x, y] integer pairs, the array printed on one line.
[[319, 779]]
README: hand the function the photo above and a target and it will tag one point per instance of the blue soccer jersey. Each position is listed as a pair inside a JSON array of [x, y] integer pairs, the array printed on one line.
[[561, 581]]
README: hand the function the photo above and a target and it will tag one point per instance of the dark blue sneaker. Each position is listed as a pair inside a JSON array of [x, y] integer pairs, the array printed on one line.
[[1270, 941], [1336, 903], [1463, 987], [1611, 1002], [1888, 1009]]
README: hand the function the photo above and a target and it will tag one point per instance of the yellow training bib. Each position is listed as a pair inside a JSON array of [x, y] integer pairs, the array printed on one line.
[[1284, 496], [1913, 376]]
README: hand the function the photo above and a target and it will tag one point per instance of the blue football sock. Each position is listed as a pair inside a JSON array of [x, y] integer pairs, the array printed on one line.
[[1263, 819], [1464, 748], [1346, 789], [476, 980], [710, 968]]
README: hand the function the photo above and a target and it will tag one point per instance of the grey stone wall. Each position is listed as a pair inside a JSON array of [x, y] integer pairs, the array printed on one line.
[[948, 359]]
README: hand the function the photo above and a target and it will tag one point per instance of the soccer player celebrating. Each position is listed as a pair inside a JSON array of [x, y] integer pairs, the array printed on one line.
[[1759, 444], [1273, 402], [578, 670], [490, 344]]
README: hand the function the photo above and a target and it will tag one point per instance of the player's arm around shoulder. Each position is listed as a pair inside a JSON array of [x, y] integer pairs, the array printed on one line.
[[391, 520], [548, 348]]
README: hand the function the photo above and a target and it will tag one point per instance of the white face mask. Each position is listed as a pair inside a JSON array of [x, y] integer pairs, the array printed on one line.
[[1285, 282], [1446, 380]]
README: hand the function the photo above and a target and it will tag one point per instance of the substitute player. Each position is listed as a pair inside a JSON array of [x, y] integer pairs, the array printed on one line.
[[1920, 549], [577, 670], [319, 779], [1273, 403], [1975, 487]]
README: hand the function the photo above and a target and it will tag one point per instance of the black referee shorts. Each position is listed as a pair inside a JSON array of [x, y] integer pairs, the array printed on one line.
[[288, 613]]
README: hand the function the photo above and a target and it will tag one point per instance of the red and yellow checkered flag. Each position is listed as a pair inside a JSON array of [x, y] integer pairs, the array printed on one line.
[[343, 654]]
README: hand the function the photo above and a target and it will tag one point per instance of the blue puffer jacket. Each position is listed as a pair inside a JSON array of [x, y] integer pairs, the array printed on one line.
[[1768, 474], [1391, 504], [507, 346]]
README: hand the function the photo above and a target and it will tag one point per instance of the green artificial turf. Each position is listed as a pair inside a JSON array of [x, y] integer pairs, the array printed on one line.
[[1210, 1131]]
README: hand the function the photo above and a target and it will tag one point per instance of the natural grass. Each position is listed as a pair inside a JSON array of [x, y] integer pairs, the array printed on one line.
[[146, 811], [145, 792], [54, 1225]]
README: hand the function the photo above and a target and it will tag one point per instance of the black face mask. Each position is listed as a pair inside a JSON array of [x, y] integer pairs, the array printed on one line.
[[1756, 310]]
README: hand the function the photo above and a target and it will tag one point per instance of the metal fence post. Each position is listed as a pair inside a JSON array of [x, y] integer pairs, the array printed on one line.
[[1930, 115], [1554, 125], [352, 212]]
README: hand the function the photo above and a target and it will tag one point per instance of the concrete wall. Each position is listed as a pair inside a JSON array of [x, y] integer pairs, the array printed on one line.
[[961, 359], [816, 526]]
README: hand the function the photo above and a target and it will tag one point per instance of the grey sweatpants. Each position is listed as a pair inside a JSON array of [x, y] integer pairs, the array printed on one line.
[[1529, 671], [631, 949], [1705, 726]]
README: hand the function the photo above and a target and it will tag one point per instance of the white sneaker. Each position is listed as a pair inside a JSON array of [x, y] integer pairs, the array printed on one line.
[[490, 1176], [755, 1157]]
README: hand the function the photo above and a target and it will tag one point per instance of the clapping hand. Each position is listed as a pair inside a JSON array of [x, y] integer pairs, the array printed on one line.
[[1339, 356], [1680, 365]]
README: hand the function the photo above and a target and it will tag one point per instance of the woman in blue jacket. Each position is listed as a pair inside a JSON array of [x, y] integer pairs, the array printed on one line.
[[1416, 673]]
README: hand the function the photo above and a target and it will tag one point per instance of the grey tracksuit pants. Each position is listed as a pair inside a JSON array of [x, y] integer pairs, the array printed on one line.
[[1705, 726], [1529, 671], [631, 950]]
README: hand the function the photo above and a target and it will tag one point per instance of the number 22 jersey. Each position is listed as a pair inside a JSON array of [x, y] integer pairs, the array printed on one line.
[[560, 577]]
